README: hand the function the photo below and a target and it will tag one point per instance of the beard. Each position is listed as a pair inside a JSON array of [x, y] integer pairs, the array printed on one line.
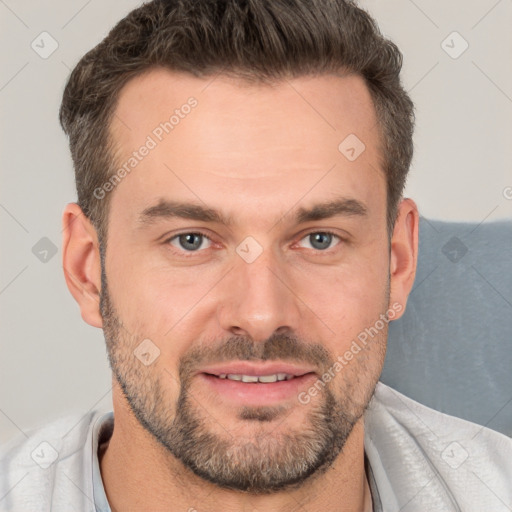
[[269, 458]]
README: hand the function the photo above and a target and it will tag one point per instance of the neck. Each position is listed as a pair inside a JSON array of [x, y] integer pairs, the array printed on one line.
[[139, 474]]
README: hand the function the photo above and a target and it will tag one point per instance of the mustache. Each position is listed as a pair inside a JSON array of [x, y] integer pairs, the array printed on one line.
[[282, 347]]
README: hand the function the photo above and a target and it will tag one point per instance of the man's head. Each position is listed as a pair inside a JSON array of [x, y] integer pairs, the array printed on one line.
[[260, 41], [264, 148]]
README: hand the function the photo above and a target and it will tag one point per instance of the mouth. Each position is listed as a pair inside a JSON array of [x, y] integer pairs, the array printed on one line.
[[250, 384], [256, 378]]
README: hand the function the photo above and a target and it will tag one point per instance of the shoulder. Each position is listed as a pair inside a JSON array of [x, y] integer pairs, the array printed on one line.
[[43, 468], [432, 458]]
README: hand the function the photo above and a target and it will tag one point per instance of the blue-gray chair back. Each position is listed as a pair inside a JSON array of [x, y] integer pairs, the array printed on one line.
[[452, 349]]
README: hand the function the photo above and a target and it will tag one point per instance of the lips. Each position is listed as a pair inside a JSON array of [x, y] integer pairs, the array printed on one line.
[[247, 383], [276, 377], [248, 372]]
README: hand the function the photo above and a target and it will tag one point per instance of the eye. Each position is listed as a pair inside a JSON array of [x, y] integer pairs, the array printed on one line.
[[320, 240], [190, 242]]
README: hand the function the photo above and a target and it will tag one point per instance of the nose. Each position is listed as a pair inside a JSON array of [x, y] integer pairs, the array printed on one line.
[[258, 298]]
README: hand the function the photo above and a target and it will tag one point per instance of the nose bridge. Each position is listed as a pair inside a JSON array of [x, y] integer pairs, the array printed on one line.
[[258, 302]]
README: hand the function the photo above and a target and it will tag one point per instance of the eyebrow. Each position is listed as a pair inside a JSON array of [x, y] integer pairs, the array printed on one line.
[[166, 209]]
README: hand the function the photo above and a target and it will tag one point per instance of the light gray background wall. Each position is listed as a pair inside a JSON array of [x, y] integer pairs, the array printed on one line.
[[51, 362]]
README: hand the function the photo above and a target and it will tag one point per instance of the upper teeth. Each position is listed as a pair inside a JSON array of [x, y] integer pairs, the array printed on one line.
[[256, 378]]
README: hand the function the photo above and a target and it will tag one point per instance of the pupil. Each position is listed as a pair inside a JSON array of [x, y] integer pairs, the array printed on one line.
[[187, 241], [321, 240]]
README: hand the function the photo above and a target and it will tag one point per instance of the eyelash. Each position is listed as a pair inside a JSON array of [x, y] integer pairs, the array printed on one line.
[[191, 254]]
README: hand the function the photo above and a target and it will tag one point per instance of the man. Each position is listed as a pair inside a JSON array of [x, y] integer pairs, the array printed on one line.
[[240, 168]]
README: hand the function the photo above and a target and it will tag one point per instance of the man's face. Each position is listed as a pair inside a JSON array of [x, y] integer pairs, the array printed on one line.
[[281, 291]]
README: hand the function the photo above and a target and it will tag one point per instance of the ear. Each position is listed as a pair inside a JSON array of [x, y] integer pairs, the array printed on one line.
[[81, 263], [404, 254]]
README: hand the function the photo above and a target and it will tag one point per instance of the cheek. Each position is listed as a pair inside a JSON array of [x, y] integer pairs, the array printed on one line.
[[348, 297], [164, 305], [149, 293]]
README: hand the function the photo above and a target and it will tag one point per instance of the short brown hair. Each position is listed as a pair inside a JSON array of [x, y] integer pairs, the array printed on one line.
[[257, 40]]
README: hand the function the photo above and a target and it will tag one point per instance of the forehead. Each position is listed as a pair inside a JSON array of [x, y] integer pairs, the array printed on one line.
[[223, 140]]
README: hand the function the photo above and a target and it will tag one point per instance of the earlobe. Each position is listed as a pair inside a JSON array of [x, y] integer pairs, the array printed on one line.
[[81, 263], [404, 253]]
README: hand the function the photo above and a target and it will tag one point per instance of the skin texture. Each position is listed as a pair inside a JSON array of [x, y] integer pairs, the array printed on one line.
[[256, 153]]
